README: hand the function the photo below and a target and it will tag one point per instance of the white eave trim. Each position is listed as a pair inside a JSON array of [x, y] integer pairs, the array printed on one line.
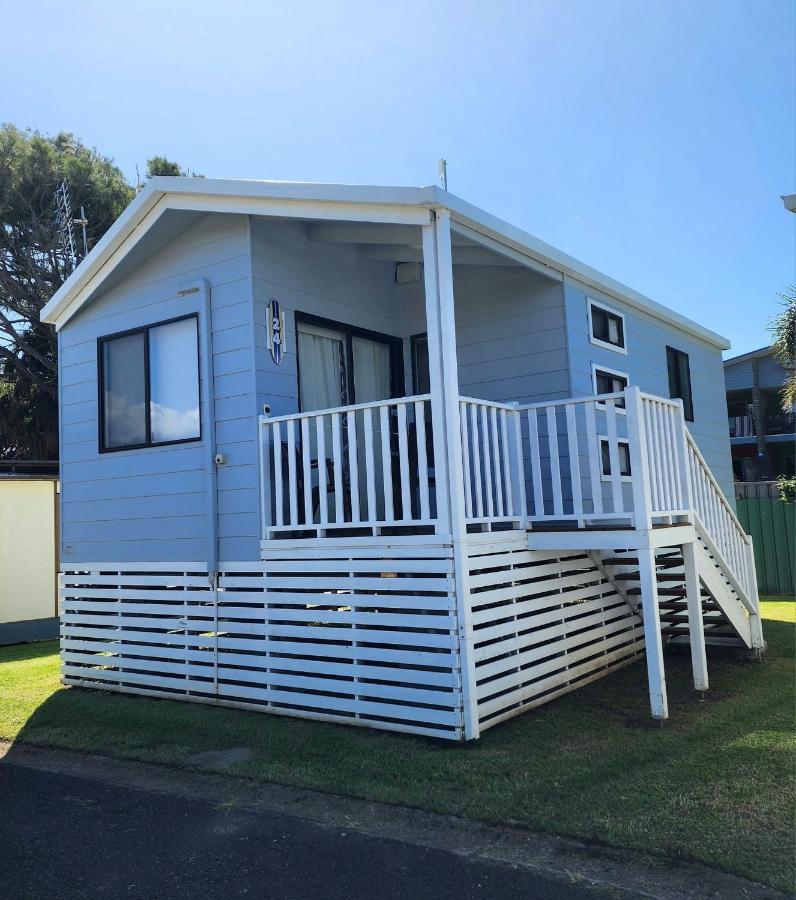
[[363, 203]]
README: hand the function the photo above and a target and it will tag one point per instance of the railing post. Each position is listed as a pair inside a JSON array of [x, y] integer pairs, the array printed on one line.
[[639, 467], [265, 476], [682, 452], [518, 490]]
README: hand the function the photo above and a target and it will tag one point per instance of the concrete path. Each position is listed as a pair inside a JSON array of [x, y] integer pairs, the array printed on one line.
[[75, 825]]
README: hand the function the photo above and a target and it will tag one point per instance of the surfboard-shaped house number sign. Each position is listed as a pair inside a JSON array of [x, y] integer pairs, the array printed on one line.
[[276, 330]]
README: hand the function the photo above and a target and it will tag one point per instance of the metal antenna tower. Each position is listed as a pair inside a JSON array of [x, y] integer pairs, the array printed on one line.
[[66, 221]]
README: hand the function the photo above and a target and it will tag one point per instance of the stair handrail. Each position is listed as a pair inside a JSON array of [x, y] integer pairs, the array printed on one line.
[[740, 572], [716, 487]]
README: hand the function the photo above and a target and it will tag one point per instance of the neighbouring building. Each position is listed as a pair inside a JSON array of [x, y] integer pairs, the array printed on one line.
[[28, 551], [762, 434]]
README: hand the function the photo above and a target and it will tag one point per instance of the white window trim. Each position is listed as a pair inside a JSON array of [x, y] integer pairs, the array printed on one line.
[[595, 368], [593, 301], [604, 438]]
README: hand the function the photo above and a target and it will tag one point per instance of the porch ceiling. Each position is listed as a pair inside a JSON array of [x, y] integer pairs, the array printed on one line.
[[403, 244]]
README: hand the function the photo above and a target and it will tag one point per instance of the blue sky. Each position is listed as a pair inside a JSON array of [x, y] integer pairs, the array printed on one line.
[[652, 140]]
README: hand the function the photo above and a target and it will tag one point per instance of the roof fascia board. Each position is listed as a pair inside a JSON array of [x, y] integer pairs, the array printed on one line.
[[323, 210], [480, 221], [292, 190]]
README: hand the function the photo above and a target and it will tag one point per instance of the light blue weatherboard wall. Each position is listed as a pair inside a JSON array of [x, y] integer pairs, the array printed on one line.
[[151, 504], [520, 336], [329, 280], [645, 364]]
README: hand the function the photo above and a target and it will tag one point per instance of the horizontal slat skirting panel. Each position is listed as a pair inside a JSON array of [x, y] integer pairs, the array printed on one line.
[[580, 630], [555, 685], [543, 623], [530, 665], [370, 640]]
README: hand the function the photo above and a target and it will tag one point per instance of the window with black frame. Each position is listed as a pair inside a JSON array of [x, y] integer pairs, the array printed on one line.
[[608, 382], [149, 386], [623, 454], [607, 327], [680, 380]]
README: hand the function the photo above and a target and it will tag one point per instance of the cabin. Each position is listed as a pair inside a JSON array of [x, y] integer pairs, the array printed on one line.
[[371, 455]]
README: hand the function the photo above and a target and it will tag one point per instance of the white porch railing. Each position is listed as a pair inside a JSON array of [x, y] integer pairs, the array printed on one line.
[[369, 465], [664, 455], [494, 478], [577, 459]]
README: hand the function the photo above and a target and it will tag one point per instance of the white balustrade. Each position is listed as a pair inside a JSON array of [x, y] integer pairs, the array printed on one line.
[[494, 481], [575, 460], [576, 457], [362, 466]]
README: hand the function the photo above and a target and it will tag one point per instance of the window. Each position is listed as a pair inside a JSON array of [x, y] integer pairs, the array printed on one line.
[[421, 380], [149, 386], [680, 380], [607, 328], [606, 381], [623, 448]]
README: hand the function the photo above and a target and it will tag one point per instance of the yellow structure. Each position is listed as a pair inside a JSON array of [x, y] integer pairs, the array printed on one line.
[[28, 558]]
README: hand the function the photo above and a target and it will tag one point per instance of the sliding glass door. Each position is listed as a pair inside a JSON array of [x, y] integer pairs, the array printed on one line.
[[339, 366]]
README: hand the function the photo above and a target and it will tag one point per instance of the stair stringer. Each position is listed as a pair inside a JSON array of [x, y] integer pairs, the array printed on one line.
[[596, 557], [726, 599]]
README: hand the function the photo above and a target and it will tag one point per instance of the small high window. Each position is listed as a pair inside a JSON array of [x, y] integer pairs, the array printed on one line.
[[607, 327], [623, 450], [680, 380], [606, 381], [149, 386]]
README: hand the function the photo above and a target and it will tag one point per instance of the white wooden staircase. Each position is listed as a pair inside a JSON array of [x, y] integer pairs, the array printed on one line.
[[726, 622]]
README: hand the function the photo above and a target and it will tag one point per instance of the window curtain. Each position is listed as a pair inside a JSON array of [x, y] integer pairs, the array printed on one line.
[[371, 370], [321, 371]]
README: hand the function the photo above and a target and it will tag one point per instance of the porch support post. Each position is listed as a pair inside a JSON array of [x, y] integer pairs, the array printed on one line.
[[436, 378], [696, 629], [652, 632], [647, 570], [444, 382]]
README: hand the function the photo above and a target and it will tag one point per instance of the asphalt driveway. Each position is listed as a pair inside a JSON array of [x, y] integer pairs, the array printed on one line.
[[65, 836]]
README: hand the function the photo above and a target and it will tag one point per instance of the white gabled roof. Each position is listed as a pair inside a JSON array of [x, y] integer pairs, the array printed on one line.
[[361, 203]]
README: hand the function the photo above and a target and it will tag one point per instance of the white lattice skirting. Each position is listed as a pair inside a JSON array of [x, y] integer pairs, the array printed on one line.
[[364, 635]]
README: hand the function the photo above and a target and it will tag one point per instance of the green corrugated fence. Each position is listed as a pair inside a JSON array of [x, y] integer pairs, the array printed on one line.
[[772, 525]]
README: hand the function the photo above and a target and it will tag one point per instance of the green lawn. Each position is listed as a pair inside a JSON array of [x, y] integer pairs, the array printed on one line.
[[715, 783]]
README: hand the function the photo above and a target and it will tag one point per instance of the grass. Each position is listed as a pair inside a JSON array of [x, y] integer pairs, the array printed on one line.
[[715, 783]]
